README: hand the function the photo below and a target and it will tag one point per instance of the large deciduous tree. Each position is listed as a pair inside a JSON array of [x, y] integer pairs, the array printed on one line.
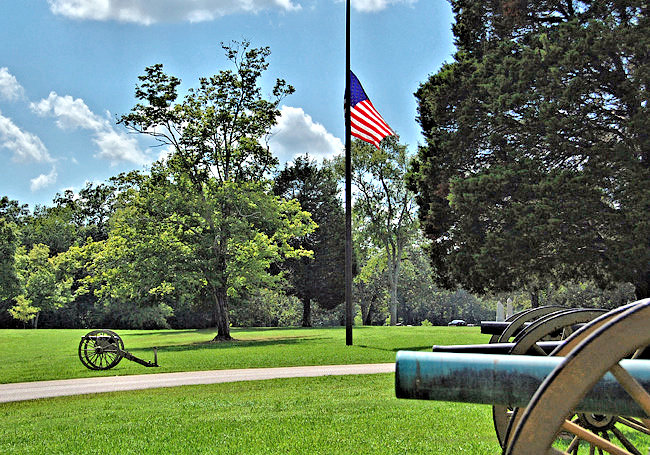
[[384, 209], [211, 197], [536, 163], [319, 279]]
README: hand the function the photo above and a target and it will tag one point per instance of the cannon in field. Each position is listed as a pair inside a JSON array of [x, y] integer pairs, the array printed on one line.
[[585, 389], [103, 349]]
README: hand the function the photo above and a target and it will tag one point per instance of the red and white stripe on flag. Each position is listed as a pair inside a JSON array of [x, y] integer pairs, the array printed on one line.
[[365, 122]]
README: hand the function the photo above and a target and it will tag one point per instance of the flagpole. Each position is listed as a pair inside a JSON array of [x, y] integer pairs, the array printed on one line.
[[348, 185]]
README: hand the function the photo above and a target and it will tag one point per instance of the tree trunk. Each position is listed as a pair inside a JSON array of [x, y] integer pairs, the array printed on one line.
[[393, 304], [223, 319], [306, 312], [642, 287], [394, 280], [534, 298], [36, 320], [367, 320]]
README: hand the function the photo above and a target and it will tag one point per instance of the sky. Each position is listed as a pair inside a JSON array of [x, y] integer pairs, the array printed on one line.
[[68, 71]]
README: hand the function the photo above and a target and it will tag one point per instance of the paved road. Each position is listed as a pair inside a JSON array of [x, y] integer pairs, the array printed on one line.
[[46, 389]]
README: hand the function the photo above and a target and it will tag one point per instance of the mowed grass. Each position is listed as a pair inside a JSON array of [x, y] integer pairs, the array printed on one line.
[[325, 415], [328, 415], [33, 355]]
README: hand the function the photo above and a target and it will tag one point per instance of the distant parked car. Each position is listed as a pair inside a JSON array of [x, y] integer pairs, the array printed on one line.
[[457, 322]]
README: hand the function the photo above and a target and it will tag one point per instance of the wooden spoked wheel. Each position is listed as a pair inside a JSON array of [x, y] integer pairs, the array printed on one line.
[[517, 321], [559, 325], [100, 349], [616, 337]]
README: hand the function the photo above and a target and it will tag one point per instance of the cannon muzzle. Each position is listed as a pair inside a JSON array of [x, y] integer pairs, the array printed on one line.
[[505, 380]]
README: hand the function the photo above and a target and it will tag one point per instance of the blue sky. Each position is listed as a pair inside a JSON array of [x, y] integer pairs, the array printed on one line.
[[68, 69]]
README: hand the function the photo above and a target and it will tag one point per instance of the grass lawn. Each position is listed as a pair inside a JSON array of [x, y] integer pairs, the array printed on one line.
[[337, 414], [328, 415], [33, 355]]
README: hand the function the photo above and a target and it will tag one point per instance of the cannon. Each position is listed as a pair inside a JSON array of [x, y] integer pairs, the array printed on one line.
[[536, 331], [103, 349], [587, 394]]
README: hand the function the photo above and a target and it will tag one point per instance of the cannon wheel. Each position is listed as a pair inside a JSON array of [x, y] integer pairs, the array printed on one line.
[[598, 352], [605, 426], [100, 353], [557, 322], [517, 320]]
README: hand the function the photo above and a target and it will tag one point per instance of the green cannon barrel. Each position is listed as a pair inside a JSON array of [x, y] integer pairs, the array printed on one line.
[[495, 348], [505, 380]]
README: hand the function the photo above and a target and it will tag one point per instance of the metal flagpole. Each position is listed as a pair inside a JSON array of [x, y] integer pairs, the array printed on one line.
[[348, 185]]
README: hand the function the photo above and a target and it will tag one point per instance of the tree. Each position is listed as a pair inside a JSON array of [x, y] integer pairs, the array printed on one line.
[[8, 244], [384, 206], [211, 196], [90, 209], [319, 279], [51, 226], [537, 147], [371, 286], [41, 288], [23, 310]]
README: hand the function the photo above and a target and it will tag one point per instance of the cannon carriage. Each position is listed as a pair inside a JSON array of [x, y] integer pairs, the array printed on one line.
[[559, 380], [104, 349]]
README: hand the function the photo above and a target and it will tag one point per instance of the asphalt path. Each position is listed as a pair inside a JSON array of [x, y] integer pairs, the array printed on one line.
[[20, 391]]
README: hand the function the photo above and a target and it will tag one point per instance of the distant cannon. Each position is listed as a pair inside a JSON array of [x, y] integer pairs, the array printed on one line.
[[593, 384], [103, 349]]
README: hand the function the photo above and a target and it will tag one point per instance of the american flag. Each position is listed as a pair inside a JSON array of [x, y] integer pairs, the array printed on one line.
[[365, 121]]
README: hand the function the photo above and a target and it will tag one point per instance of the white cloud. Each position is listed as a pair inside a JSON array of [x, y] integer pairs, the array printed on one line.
[[43, 180], [371, 6], [142, 12], [296, 134], [10, 89], [70, 113], [24, 145], [116, 146]]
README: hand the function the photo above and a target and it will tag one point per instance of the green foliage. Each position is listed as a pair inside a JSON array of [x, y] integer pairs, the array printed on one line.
[[208, 209], [51, 226], [22, 310], [9, 286], [588, 295], [536, 158], [267, 308], [41, 290], [319, 278], [90, 209], [384, 209], [426, 323], [160, 250]]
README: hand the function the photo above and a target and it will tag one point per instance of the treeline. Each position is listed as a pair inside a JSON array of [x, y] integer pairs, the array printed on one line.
[[213, 235], [532, 184]]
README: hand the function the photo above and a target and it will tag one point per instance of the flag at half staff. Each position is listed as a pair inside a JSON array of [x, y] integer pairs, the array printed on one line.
[[365, 122]]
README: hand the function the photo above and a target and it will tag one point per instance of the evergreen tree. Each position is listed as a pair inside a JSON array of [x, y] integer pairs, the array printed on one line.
[[537, 152], [321, 278]]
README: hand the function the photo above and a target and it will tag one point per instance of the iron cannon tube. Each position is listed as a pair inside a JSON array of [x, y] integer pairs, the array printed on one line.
[[504, 380]]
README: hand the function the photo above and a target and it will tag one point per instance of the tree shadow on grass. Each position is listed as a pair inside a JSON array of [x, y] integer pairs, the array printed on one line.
[[213, 330], [210, 345], [166, 332], [410, 348]]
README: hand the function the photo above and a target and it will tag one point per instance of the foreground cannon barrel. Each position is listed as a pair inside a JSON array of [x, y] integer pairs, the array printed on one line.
[[504, 380], [495, 348]]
